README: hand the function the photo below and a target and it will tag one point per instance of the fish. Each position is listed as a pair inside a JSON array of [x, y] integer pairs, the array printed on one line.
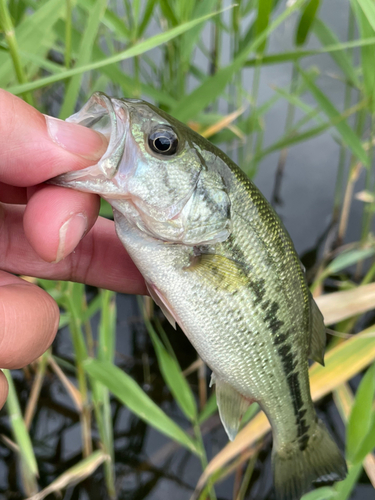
[[218, 261]]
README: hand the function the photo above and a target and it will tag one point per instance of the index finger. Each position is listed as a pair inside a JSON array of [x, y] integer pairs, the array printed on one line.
[[34, 148]]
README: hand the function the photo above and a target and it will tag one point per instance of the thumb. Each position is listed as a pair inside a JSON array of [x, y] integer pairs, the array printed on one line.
[[34, 147]]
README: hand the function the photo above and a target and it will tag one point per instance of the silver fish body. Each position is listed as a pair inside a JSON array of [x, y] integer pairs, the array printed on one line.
[[218, 261]]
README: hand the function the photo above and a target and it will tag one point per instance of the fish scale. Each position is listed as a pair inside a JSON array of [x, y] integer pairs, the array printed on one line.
[[218, 261]]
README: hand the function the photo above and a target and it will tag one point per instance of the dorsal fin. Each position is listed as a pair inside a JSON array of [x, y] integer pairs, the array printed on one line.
[[318, 334]]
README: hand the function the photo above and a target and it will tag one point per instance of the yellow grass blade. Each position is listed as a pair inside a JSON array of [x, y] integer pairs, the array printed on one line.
[[342, 363], [70, 388], [338, 306], [74, 475], [223, 123]]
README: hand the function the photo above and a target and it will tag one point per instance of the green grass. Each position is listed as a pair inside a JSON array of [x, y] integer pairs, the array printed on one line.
[[71, 49]]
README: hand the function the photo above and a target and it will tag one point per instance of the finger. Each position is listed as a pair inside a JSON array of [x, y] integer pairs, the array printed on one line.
[[56, 219], [29, 319], [34, 148], [99, 260]]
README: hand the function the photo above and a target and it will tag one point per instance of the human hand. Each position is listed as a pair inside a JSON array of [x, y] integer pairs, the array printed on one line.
[[41, 226]]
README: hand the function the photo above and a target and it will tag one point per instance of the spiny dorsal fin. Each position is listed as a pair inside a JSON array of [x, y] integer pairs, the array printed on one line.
[[318, 334], [224, 273], [232, 406]]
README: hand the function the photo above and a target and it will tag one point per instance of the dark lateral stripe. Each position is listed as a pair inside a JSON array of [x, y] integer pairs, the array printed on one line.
[[302, 426], [274, 324], [290, 363]]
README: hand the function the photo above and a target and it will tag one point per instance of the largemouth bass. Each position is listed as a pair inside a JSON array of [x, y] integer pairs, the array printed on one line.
[[218, 261]]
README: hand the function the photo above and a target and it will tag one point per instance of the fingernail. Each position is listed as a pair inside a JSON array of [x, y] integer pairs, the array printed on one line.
[[70, 234], [77, 139]]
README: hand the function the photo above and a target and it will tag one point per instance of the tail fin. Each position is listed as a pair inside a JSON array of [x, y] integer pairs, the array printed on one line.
[[294, 469]]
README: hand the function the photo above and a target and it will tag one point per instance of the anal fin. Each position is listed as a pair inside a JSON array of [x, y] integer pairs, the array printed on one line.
[[318, 334], [160, 300], [232, 406]]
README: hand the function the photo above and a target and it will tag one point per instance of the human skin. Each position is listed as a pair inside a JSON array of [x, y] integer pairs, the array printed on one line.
[[48, 231]]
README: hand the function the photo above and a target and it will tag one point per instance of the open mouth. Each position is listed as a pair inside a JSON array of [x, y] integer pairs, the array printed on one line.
[[109, 117]]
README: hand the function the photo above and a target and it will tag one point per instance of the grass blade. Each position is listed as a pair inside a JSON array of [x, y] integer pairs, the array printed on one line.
[[87, 43], [113, 22], [327, 38], [34, 31], [295, 55], [135, 50], [29, 467], [116, 76], [7, 27], [368, 8], [132, 396], [325, 493], [338, 306], [262, 21], [345, 487], [101, 397], [172, 375], [74, 475], [361, 415], [347, 259], [347, 134], [213, 86], [306, 21], [209, 409], [366, 29]]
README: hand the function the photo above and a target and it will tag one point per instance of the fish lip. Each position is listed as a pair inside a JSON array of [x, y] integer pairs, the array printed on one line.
[[100, 106]]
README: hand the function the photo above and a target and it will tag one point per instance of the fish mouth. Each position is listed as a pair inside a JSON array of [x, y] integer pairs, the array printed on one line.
[[110, 117]]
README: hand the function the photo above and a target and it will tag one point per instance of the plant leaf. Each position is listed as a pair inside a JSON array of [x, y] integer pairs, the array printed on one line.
[[325, 493], [74, 475], [213, 86], [368, 8], [306, 21], [34, 31], [347, 134], [328, 39], [345, 487], [29, 466], [338, 306], [365, 18], [135, 50], [359, 422], [262, 21], [172, 375], [131, 395], [87, 42], [347, 259]]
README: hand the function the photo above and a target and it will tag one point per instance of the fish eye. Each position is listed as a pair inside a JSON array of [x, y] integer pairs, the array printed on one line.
[[163, 142]]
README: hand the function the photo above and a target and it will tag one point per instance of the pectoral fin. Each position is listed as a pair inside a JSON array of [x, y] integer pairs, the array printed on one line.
[[232, 406], [221, 272], [318, 334], [162, 302]]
